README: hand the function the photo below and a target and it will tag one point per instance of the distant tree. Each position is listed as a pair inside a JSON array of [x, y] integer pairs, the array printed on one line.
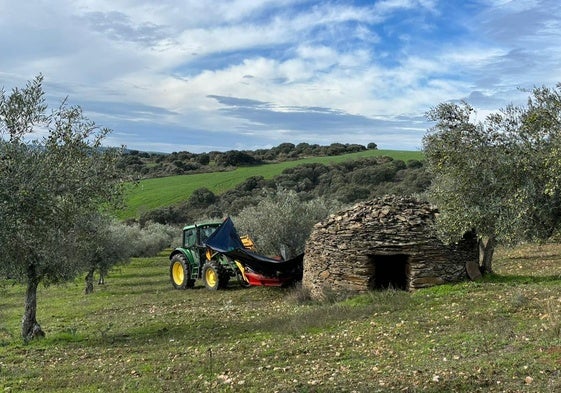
[[203, 159], [501, 176], [336, 149], [48, 189], [354, 148], [376, 174], [236, 158], [176, 214], [414, 164], [201, 197], [283, 149], [350, 193], [107, 244], [372, 146]]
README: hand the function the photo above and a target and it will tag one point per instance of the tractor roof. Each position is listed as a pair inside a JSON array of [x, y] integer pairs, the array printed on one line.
[[203, 224]]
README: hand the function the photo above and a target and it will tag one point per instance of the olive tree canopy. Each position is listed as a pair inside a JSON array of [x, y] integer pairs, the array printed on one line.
[[500, 176], [49, 188]]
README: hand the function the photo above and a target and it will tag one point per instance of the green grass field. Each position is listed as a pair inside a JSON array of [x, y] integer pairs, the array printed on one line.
[[166, 191], [138, 334]]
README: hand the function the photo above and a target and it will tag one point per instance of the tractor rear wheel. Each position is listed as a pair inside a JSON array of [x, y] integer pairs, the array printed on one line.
[[180, 272], [215, 276]]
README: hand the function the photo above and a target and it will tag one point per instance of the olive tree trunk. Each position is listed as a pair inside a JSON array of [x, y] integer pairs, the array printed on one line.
[[89, 281], [486, 251], [30, 328]]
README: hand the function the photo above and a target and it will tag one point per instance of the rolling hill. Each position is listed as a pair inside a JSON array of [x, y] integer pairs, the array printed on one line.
[[158, 192]]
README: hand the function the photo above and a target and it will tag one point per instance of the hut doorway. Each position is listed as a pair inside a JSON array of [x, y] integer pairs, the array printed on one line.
[[390, 271]]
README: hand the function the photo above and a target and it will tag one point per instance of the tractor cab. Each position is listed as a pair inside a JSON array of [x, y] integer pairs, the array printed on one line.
[[194, 238]]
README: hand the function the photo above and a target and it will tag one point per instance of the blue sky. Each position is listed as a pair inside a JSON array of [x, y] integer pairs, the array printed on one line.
[[246, 74]]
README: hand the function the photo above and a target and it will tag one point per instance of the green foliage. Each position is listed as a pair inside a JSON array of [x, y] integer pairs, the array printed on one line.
[[49, 189], [236, 158], [21, 109], [106, 243], [347, 182], [149, 165], [111, 242], [151, 239], [281, 220], [499, 176], [201, 197]]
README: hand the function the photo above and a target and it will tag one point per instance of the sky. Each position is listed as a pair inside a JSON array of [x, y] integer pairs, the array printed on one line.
[[218, 75]]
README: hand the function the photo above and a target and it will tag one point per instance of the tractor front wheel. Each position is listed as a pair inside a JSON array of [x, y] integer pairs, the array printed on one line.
[[215, 275], [180, 272]]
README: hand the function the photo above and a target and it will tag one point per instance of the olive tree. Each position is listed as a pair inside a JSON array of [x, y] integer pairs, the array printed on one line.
[[49, 188], [281, 222], [499, 176], [108, 243]]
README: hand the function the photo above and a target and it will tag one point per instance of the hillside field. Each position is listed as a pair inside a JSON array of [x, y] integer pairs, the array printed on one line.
[[153, 193], [137, 334]]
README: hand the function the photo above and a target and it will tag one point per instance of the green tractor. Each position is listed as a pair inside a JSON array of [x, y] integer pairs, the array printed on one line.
[[194, 260]]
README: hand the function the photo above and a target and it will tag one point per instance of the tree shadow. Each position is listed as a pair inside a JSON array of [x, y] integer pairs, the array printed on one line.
[[518, 279]]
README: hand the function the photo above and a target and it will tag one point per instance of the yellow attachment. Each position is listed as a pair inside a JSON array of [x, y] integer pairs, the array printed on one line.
[[177, 273], [209, 254], [242, 271], [248, 242]]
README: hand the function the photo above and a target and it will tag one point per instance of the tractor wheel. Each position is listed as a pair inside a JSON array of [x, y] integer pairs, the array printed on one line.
[[180, 272], [215, 275]]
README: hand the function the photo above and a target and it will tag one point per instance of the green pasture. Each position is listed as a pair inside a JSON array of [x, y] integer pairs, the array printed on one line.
[[153, 193]]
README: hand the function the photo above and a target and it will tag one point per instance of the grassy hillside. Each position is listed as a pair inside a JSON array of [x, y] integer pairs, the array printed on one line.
[[138, 334], [153, 193]]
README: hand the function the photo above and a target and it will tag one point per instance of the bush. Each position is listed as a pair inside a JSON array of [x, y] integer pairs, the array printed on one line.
[[352, 193], [201, 197], [147, 240]]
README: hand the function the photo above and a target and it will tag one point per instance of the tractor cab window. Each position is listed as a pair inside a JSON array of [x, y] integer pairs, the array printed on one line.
[[205, 233], [189, 237]]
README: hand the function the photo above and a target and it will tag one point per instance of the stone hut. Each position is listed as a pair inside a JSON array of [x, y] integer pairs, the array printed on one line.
[[382, 243]]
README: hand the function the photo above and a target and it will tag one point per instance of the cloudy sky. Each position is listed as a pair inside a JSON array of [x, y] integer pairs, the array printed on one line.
[[201, 75]]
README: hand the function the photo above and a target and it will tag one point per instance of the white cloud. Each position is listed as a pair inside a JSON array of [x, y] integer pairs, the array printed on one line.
[[157, 67]]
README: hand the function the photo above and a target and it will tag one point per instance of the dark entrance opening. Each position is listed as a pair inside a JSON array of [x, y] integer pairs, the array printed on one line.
[[390, 271]]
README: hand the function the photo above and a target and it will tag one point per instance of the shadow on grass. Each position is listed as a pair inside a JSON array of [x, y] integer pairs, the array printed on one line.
[[519, 279]]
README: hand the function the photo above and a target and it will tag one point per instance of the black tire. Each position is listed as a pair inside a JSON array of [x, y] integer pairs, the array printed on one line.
[[215, 276], [180, 272]]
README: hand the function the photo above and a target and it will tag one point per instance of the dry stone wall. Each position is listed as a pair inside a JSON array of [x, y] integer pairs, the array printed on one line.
[[344, 251]]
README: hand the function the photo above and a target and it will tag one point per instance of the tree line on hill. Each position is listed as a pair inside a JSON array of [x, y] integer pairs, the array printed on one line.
[[147, 165], [344, 183]]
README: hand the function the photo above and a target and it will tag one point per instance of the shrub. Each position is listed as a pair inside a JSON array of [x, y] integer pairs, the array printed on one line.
[[148, 240], [201, 197]]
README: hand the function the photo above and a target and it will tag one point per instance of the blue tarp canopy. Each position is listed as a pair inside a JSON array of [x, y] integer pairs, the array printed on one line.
[[227, 241], [225, 238]]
